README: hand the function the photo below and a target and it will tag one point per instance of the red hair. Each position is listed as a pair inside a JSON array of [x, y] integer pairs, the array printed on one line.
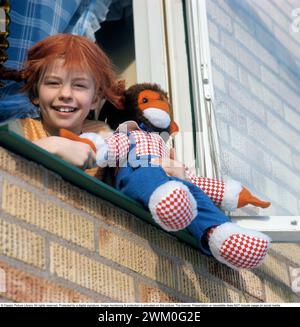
[[78, 52]]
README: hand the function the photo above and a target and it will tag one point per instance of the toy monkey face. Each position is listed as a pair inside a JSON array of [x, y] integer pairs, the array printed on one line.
[[155, 107]]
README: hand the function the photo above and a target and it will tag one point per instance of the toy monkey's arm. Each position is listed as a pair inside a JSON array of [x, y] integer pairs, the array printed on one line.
[[113, 151], [228, 194]]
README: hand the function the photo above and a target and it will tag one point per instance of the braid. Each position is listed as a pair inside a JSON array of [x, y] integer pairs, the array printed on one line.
[[11, 74]]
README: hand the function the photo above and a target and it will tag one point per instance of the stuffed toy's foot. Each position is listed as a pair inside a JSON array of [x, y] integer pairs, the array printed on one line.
[[236, 196], [172, 206], [238, 247], [72, 136], [245, 197]]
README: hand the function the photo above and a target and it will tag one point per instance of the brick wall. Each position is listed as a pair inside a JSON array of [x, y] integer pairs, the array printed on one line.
[[256, 74], [60, 244]]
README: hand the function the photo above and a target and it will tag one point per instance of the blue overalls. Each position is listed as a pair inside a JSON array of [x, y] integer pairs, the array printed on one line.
[[140, 178]]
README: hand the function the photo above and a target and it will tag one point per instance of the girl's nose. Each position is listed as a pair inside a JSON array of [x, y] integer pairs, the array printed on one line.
[[65, 93]]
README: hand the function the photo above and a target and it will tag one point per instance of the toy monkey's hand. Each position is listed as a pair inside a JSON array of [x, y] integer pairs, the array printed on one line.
[[173, 129]]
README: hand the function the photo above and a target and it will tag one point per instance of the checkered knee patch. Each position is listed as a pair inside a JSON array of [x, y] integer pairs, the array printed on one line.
[[244, 251], [172, 206], [237, 247]]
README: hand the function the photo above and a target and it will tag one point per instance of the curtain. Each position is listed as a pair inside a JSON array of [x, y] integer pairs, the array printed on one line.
[[33, 20]]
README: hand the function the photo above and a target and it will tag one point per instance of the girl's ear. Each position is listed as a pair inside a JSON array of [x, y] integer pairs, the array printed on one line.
[[96, 102]]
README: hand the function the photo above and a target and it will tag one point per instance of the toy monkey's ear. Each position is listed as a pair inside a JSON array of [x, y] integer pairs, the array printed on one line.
[[173, 128]]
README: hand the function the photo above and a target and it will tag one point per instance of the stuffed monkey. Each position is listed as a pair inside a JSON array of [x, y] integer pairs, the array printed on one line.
[[174, 203]]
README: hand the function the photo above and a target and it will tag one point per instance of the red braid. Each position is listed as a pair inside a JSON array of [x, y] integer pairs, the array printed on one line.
[[11, 74]]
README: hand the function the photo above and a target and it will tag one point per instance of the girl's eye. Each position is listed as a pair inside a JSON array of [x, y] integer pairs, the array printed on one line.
[[80, 86], [51, 83]]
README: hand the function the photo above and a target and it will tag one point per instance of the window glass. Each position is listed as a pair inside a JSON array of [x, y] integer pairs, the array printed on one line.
[[255, 53]]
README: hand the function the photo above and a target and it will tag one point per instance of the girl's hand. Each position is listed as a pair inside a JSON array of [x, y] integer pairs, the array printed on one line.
[[171, 166], [78, 154]]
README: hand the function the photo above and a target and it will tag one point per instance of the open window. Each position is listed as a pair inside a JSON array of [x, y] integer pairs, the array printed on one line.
[[180, 60], [116, 38]]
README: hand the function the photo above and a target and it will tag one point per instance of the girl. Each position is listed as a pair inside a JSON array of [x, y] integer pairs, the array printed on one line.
[[67, 76]]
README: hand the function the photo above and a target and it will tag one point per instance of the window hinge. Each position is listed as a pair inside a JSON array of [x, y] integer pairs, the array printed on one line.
[[206, 84], [204, 69]]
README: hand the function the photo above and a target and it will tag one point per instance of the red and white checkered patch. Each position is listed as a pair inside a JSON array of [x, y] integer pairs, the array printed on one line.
[[244, 251], [175, 210], [211, 187], [149, 144], [146, 144], [118, 148]]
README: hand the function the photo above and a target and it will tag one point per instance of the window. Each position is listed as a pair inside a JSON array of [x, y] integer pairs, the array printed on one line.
[[180, 60]]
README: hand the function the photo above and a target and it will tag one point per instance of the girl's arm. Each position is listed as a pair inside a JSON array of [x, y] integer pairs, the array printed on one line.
[[76, 153]]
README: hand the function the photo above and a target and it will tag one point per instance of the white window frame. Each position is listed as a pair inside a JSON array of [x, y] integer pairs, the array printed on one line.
[[164, 60], [283, 229], [202, 89], [161, 58]]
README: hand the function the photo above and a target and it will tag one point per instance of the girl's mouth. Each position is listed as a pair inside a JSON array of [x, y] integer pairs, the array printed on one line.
[[64, 109]]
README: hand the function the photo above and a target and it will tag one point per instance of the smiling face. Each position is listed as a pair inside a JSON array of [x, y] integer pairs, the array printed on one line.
[[65, 98]]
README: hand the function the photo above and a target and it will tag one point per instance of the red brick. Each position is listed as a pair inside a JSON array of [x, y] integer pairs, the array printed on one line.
[[24, 287]]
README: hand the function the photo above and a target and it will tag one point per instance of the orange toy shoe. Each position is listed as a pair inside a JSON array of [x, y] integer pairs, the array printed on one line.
[[245, 197], [234, 195]]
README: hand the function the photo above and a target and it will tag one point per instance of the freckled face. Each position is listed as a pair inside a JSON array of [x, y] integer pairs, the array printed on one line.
[[65, 98]]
